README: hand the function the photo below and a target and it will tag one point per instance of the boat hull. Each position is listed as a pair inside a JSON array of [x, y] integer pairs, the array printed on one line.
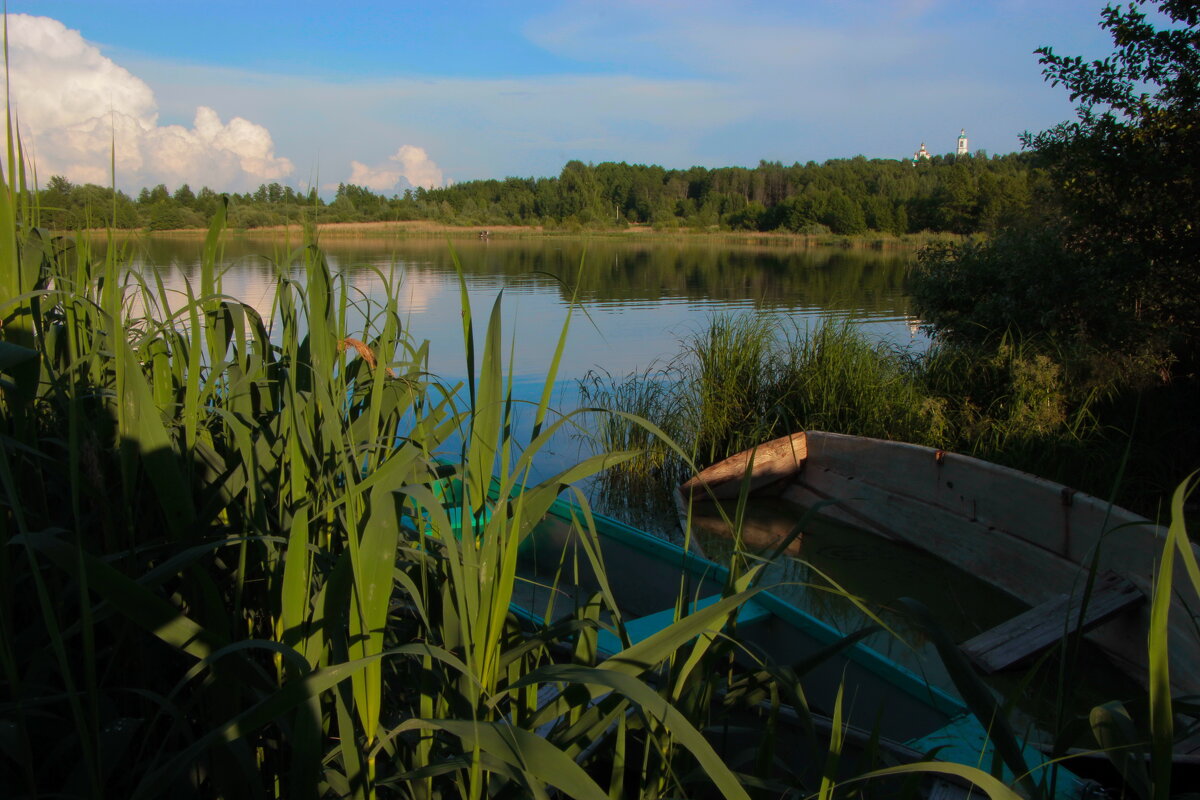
[[647, 575], [1031, 538]]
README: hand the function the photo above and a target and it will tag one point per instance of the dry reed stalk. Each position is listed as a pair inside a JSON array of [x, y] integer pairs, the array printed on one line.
[[364, 352]]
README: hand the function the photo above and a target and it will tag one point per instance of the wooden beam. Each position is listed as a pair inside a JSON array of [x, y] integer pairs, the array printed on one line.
[[1026, 634]]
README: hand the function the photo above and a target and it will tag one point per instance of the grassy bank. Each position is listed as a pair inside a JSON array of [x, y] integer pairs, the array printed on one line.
[[418, 229]]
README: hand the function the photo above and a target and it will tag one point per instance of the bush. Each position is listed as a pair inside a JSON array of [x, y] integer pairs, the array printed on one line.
[[168, 216], [1028, 281]]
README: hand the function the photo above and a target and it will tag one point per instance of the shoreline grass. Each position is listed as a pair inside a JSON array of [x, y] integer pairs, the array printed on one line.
[[418, 229]]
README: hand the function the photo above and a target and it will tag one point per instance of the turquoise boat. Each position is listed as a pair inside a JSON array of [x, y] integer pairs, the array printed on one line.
[[884, 703]]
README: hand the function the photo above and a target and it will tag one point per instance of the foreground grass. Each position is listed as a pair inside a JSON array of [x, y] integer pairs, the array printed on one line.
[[225, 569]]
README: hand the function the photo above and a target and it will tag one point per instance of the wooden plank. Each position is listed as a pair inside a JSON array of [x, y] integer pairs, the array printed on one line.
[[1012, 564], [1068, 523], [1041, 626], [773, 461]]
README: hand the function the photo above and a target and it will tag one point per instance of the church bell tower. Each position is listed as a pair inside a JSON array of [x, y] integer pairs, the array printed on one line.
[[963, 149]]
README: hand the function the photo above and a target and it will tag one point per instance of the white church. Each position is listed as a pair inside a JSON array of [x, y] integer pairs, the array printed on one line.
[[963, 148]]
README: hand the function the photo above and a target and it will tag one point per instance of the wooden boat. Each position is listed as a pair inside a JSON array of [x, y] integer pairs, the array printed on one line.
[[1034, 539], [892, 707]]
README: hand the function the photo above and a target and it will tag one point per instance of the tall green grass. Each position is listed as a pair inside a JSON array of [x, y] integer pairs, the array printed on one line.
[[226, 571], [228, 567]]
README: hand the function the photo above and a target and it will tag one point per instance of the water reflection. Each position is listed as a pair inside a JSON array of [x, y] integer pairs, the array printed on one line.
[[638, 297]]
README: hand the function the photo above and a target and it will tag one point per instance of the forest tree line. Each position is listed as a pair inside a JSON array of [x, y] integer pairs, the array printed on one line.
[[963, 194]]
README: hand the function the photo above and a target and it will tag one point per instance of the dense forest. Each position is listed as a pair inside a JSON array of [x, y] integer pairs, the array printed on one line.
[[968, 194]]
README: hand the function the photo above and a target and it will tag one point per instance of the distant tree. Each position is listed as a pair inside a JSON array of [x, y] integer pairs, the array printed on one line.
[[158, 194], [170, 216], [183, 195], [59, 185], [843, 215]]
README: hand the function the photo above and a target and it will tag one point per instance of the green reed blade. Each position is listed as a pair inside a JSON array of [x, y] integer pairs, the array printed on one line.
[[348, 747], [1118, 739], [294, 597], [995, 789], [1162, 718], [377, 555], [467, 323], [486, 416], [974, 692], [143, 430], [706, 640], [836, 738], [654, 706], [1177, 532]]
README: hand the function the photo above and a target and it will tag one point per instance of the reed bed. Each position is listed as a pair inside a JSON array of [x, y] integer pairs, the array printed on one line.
[[228, 568], [225, 569]]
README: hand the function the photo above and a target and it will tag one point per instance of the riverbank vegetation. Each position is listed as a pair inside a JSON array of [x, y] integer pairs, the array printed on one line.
[[848, 197], [1107, 266]]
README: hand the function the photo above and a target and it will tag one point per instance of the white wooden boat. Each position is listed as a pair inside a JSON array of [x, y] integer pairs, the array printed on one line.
[[1034, 539]]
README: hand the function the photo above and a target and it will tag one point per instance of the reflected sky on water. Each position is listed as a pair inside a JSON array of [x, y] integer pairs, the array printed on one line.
[[636, 299]]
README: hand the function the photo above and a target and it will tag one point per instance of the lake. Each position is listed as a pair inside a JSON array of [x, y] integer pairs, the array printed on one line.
[[638, 297]]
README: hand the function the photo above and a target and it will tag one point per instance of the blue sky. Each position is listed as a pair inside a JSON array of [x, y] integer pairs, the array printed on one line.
[[400, 93]]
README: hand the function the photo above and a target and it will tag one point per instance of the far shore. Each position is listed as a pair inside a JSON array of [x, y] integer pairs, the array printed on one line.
[[424, 229]]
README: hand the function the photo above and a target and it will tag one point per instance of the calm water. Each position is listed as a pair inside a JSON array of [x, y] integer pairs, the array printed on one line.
[[638, 299]]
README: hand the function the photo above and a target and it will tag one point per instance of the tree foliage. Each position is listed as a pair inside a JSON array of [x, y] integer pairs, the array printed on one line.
[[1126, 169], [1111, 258], [963, 195]]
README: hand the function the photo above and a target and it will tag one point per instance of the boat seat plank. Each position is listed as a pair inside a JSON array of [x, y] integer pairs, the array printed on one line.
[[1041, 626], [644, 627]]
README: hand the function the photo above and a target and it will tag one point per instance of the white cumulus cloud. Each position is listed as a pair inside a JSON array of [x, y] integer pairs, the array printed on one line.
[[75, 106], [409, 163]]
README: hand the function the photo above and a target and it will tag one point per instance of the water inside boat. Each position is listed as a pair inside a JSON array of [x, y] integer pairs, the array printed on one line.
[[878, 572]]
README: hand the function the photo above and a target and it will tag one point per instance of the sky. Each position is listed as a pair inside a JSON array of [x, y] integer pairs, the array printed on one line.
[[397, 94]]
